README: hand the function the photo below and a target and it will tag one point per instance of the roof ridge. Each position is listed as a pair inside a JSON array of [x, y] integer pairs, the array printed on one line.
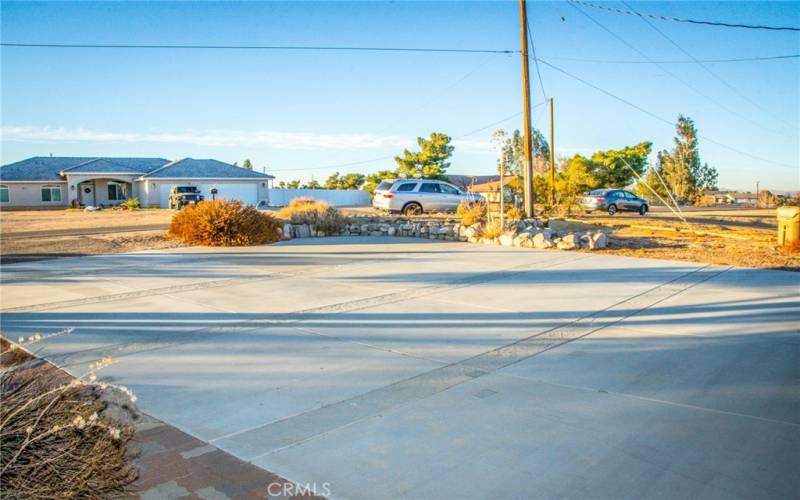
[[79, 164], [162, 167]]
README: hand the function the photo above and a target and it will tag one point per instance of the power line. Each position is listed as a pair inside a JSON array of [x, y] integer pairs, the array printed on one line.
[[707, 69], [691, 21], [674, 61], [257, 47], [573, 4], [662, 119], [535, 60], [437, 95], [381, 158]]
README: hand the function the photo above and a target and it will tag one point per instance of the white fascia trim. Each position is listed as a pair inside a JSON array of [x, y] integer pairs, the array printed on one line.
[[100, 173], [202, 179], [2, 181]]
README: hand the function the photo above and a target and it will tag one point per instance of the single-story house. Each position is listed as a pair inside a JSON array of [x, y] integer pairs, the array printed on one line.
[[47, 181], [733, 198], [491, 186]]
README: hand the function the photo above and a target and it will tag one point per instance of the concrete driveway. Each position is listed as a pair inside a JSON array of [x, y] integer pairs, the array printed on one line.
[[402, 368]]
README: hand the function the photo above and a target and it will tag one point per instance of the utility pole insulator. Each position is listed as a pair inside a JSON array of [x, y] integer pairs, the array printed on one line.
[[526, 112]]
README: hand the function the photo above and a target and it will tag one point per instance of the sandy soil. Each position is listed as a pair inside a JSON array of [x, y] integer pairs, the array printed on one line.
[[727, 237], [45, 220], [745, 238], [28, 249]]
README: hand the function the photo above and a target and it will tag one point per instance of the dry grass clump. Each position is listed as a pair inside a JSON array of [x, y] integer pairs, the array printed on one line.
[[471, 213], [315, 213], [223, 223], [303, 210], [492, 229], [55, 440], [331, 221], [514, 213]]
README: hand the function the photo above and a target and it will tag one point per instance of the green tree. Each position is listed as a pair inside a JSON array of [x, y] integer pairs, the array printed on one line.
[[681, 168], [650, 179], [540, 149], [615, 168], [247, 165], [295, 184], [576, 178], [430, 161], [372, 180], [313, 184], [348, 181]]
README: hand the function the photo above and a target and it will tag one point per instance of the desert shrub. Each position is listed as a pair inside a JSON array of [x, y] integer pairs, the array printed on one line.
[[56, 440], [492, 229], [131, 204], [514, 213], [223, 223], [331, 221], [303, 211], [315, 213], [471, 213]]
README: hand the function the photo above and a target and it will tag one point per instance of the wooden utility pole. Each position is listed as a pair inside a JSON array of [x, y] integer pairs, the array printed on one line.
[[552, 158], [526, 112]]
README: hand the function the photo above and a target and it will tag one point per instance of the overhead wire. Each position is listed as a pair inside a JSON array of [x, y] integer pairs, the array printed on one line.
[[254, 47], [707, 69], [573, 4], [691, 21], [673, 61], [535, 58], [483, 63], [661, 118], [381, 158]]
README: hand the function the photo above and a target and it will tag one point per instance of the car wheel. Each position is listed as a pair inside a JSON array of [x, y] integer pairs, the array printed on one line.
[[612, 209], [643, 210], [412, 209]]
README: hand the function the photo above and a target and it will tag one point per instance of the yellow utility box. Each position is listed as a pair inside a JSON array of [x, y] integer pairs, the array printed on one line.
[[788, 225]]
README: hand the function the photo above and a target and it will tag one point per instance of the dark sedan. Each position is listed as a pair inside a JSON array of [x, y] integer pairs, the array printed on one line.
[[613, 201]]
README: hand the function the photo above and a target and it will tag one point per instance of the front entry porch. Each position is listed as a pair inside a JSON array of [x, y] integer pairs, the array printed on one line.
[[102, 192]]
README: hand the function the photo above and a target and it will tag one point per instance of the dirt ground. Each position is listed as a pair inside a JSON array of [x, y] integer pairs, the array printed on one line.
[[47, 220], [728, 237], [714, 236]]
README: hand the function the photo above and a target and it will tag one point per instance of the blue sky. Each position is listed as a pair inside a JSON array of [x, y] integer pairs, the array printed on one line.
[[303, 114]]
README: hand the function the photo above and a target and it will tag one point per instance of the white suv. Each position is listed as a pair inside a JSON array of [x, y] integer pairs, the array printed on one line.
[[415, 196]]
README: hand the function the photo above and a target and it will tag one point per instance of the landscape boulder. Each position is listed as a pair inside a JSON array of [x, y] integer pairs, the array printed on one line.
[[507, 239], [568, 242], [599, 240], [542, 240], [473, 231]]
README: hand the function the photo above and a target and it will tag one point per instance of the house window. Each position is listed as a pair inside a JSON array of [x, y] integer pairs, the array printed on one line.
[[4, 194], [51, 193], [116, 191]]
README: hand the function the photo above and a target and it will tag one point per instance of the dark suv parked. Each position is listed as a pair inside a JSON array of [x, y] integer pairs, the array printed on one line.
[[613, 201]]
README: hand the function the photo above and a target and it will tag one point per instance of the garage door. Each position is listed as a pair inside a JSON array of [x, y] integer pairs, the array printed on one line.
[[247, 193], [163, 194]]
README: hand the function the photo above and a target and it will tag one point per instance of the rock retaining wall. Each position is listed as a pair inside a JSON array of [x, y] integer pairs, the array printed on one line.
[[523, 234]]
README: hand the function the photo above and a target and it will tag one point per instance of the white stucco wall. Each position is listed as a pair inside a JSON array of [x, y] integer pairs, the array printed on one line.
[[29, 194], [100, 186], [150, 190], [335, 197]]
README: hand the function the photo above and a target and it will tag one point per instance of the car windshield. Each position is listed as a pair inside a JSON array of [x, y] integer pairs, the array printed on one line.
[[384, 186], [185, 189]]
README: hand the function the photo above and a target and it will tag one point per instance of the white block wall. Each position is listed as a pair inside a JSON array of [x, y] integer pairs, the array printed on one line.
[[335, 197]]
